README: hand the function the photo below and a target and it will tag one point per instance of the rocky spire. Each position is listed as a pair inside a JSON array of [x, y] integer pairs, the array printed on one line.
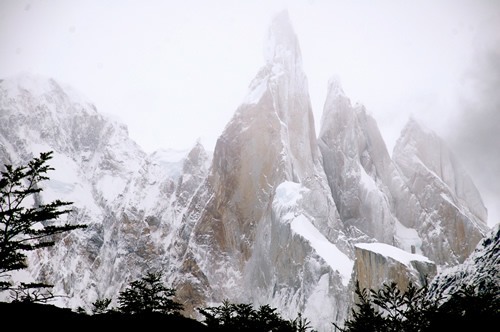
[[282, 44], [445, 192]]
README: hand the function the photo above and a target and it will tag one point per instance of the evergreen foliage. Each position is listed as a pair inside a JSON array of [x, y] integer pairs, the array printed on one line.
[[365, 318], [471, 308], [26, 223], [389, 310], [100, 307], [243, 317], [148, 295]]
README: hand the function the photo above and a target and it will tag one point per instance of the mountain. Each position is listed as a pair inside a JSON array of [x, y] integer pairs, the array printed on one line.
[[266, 198], [454, 217], [421, 200], [118, 190], [276, 215]]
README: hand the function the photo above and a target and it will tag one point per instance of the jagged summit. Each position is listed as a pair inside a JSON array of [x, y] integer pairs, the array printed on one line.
[[336, 101], [335, 86], [444, 191], [282, 44], [421, 146], [38, 86]]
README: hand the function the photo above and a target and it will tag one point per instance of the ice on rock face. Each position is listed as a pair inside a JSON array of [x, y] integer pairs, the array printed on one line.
[[357, 166], [335, 258], [430, 152], [452, 219], [265, 171], [117, 190]]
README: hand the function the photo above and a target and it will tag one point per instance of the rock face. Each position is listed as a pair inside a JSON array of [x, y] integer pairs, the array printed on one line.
[[127, 199], [275, 216], [358, 167], [243, 244], [453, 216], [423, 199], [378, 263]]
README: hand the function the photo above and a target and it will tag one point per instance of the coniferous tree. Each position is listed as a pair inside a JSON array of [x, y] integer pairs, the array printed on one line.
[[27, 224], [100, 307], [148, 295], [389, 300], [243, 317], [472, 307], [364, 317]]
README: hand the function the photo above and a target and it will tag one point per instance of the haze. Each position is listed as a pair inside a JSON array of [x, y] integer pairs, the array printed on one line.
[[175, 71]]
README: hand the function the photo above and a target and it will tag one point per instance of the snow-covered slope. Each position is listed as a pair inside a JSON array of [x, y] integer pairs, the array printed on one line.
[[118, 191], [272, 217], [480, 270]]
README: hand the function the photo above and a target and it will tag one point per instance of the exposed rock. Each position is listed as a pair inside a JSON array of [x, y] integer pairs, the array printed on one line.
[[378, 263], [453, 218]]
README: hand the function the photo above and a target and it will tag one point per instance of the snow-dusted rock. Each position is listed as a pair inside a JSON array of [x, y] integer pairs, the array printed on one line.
[[453, 217], [480, 270], [357, 165], [243, 243], [379, 263]]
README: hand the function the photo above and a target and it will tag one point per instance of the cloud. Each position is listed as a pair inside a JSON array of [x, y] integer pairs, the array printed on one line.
[[476, 138]]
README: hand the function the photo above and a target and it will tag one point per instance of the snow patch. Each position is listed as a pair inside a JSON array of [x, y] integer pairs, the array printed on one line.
[[288, 194], [169, 161], [319, 304], [395, 253], [408, 238], [337, 260], [367, 181], [111, 187]]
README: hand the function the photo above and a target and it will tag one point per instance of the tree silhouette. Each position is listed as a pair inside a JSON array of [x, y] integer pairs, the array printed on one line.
[[415, 310], [474, 307], [26, 223], [243, 317], [148, 295], [365, 318]]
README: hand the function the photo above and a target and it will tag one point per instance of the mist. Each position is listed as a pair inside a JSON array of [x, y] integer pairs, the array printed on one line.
[[476, 134]]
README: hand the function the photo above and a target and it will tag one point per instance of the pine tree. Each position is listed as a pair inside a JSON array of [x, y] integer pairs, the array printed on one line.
[[148, 295], [365, 318], [26, 224], [243, 317]]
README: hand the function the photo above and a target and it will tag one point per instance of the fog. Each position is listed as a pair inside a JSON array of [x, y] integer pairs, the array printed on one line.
[[475, 136], [175, 71]]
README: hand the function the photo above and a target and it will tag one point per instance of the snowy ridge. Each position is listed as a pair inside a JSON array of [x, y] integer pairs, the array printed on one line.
[[286, 203], [335, 258], [395, 253]]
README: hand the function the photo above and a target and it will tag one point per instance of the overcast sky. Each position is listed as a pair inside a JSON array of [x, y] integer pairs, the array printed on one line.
[[175, 71]]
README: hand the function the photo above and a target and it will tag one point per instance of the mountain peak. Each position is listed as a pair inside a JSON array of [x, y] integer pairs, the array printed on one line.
[[335, 86], [282, 42]]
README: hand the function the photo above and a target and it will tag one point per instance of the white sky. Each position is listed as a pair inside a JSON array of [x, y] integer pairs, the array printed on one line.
[[175, 71]]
